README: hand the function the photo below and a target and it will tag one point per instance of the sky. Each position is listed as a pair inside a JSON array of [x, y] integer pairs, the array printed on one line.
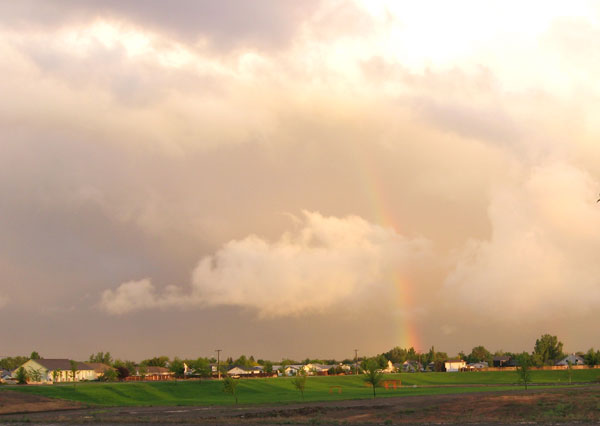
[[293, 179]]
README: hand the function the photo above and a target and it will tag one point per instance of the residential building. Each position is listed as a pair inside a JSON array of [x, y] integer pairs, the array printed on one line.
[[57, 370]]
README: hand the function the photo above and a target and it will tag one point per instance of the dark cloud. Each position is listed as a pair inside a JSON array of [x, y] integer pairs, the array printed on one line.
[[225, 24]]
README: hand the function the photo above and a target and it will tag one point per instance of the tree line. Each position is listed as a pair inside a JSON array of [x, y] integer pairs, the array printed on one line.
[[547, 350]]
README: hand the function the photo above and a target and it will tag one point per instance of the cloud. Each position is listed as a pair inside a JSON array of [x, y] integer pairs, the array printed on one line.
[[224, 24], [541, 261], [326, 262]]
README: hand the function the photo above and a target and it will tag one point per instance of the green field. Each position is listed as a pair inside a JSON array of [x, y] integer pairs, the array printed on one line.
[[281, 390]]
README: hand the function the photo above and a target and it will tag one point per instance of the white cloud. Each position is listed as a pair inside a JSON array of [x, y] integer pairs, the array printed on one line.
[[541, 260], [326, 261]]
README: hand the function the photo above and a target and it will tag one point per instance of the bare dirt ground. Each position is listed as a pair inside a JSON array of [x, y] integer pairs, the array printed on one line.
[[17, 402], [579, 405]]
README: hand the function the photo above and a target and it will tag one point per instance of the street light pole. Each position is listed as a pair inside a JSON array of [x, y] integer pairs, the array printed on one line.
[[218, 351], [356, 361]]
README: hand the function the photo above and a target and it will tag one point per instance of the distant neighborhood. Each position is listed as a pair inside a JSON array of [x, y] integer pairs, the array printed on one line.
[[35, 369]]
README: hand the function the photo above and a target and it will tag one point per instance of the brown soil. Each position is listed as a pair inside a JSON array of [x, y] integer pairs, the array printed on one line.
[[17, 402], [566, 405]]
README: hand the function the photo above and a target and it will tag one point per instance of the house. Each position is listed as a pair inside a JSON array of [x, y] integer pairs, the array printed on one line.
[[477, 366], [288, 370], [254, 371], [99, 368], [317, 369], [5, 375], [455, 364], [503, 361], [389, 368], [411, 366], [573, 359], [57, 370], [151, 373]]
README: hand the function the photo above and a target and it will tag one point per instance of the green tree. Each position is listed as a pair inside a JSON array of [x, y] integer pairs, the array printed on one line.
[[372, 374], [299, 382], [397, 355], [101, 357], [56, 374], [34, 355], [11, 363], [230, 387], [592, 357], [74, 369], [141, 371], [159, 361], [548, 349], [35, 374], [480, 354], [524, 369], [177, 367], [22, 376], [109, 375], [201, 367], [268, 366]]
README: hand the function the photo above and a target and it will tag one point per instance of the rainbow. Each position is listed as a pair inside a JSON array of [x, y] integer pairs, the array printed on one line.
[[373, 187]]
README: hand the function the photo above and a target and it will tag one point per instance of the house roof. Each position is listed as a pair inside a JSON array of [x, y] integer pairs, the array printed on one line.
[[99, 367], [60, 364], [454, 360], [157, 370], [502, 358]]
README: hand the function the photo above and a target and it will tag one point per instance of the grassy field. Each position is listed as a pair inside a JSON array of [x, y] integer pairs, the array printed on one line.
[[281, 390]]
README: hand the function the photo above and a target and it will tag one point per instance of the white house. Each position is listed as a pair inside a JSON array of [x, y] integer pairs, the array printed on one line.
[[456, 364], [245, 371], [573, 359], [56, 370]]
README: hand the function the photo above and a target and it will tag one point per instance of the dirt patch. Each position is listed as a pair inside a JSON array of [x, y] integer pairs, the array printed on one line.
[[18, 402], [566, 405]]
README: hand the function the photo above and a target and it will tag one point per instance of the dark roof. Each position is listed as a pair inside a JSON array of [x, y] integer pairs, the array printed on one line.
[[454, 360], [60, 364], [502, 358]]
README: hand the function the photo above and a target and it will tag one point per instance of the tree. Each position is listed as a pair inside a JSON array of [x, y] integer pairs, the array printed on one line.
[[201, 366], [74, 370], [480, 354], [35, 375], [524, 369], [22, 376], [268, 365], [56, 374], [11, 363], [547, 349], [101, 357], [592, 357], [372, 374], [159, 361], [34, 355], [109, 375], [230, 387], [299, 382], [122, 372], [177, 367]]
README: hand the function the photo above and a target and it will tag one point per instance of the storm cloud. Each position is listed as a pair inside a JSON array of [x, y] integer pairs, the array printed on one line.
[[260, 166]]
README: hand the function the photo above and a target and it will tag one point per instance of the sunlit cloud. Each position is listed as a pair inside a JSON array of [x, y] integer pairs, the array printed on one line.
[[327, 261]]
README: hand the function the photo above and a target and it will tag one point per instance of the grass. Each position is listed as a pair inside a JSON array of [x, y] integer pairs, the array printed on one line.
[[281, 390]]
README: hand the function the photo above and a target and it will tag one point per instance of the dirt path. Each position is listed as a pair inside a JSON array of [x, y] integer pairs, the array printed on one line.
[[566, 405]]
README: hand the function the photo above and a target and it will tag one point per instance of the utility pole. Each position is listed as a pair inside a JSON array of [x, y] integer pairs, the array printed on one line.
[[356, 361], [218, 351]]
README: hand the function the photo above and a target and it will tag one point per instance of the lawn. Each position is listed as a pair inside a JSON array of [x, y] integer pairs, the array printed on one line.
[[281, 390]]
